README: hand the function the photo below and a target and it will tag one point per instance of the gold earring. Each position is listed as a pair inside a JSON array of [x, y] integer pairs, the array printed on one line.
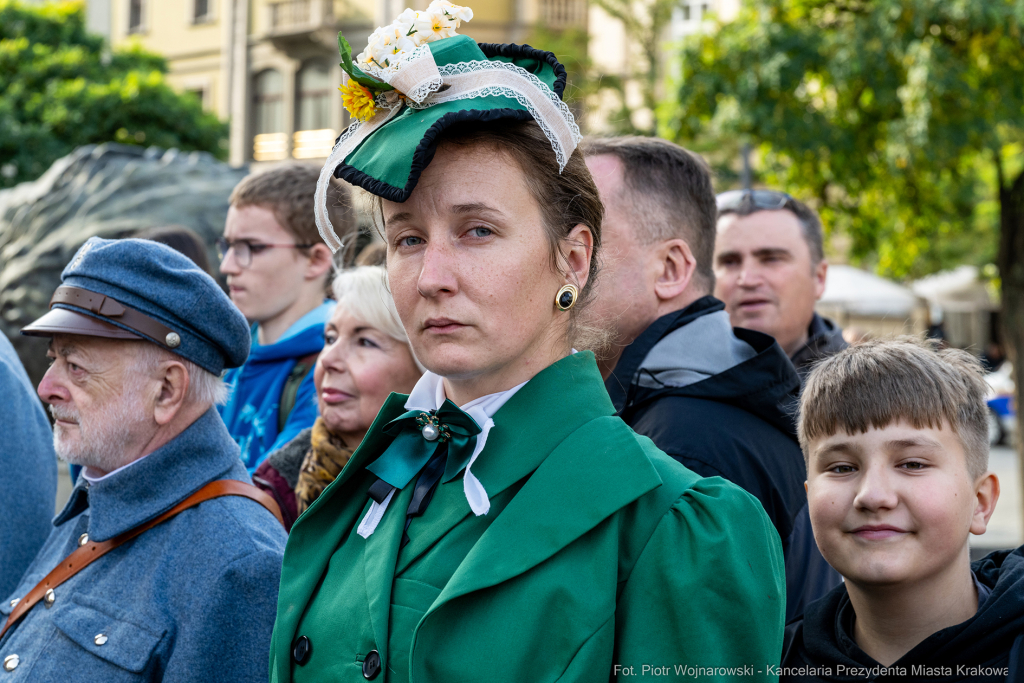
[[566, 297]]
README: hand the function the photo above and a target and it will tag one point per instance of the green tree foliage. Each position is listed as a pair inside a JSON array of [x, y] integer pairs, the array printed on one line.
[[570, 46], [901, 118], [585, 81], [60, 88], [646, 23], [904, 119]]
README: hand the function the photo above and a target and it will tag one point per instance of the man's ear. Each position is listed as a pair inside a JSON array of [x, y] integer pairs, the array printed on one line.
[[174, 382], [986, 491], [577, 250], [675, 267], [320, 261], [820, 271]]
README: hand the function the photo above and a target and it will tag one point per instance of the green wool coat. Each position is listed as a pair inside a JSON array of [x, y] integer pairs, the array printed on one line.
[[600, 558]]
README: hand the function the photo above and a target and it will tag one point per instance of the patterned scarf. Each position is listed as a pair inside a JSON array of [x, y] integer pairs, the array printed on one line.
[[322, 465]]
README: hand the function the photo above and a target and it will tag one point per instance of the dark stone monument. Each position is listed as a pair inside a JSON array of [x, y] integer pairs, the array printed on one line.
[[107, 190]]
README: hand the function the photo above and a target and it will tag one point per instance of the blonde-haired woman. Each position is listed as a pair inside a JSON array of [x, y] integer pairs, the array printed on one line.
[[366, 356]]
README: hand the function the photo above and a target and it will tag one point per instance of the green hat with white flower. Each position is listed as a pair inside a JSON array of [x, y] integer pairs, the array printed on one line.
[[416, 78]]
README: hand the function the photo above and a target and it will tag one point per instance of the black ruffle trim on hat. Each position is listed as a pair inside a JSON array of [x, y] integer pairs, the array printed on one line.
[[514, 51], [424, 153]]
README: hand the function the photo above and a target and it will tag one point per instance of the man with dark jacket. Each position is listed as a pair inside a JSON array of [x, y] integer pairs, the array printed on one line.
[[713, 397], [770, 271]]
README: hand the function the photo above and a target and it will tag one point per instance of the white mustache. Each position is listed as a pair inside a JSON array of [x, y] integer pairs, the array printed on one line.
[[64, 414]]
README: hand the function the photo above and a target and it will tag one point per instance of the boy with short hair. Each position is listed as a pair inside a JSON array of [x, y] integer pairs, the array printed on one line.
[[895, 436], [277, 269]]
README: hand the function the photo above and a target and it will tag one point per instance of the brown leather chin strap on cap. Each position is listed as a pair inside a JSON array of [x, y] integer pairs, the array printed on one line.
[[112, 310]]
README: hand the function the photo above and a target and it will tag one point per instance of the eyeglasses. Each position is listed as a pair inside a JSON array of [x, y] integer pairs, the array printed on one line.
[[746, 200], [244, 249]]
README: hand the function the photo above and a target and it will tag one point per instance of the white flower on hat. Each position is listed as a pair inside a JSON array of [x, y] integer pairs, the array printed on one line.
[[435, 26], [397, 51], [405, 24], [390, 46], [366, 57], [452, 10]]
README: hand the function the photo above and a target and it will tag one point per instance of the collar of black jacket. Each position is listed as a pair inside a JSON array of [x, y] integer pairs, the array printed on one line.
[[824, 635], [824, 338], [203, 452], [619, 381]]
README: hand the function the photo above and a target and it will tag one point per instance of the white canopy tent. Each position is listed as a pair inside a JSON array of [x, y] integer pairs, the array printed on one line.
[[880, 307]]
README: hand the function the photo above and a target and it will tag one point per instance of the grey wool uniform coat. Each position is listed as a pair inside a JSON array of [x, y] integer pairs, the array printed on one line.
[[190, 600]]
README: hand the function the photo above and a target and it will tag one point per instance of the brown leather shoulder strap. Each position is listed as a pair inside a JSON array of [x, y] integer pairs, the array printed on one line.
[[92, 551]]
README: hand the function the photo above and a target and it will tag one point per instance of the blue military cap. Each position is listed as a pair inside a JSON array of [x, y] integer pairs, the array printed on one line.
[[138, 289]]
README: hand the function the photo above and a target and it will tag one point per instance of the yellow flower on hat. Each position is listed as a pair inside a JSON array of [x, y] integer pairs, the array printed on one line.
[[358, 100]]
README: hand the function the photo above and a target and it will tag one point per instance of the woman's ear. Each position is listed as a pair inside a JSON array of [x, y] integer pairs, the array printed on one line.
[[577, 250]]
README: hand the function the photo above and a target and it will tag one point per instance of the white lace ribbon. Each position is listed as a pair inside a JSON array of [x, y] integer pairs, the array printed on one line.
[[418, 77], [424, 84]]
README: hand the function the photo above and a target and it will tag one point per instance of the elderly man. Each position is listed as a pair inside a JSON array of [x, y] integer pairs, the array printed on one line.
[[712, 397], [160, 567], [29, 482], [770, 270]]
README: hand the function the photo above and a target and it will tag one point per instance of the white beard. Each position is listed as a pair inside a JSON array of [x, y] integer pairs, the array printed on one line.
[[104, 436]]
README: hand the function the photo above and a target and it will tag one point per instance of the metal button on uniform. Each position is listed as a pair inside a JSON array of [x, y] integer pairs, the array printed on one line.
[[83, 539], [15, 601], [100, 639], [172, 339], [302, 649], [371, 665], [11, 662], [49, 597]]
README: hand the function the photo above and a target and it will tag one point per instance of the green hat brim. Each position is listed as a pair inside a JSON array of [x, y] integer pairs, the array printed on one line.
[[389, 162]]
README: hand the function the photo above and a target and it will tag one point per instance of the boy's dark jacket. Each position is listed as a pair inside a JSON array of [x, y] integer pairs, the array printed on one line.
[[993, 638], [736, 423]]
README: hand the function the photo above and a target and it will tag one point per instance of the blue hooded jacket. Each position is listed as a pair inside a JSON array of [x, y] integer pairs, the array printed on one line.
[[251, 414], [29, 482]]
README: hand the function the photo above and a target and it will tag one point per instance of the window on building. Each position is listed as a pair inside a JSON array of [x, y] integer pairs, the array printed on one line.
[[134, 16], [200, 11], [686, 11], [268, 102], [270, 142], [313, 87], [561, 14]]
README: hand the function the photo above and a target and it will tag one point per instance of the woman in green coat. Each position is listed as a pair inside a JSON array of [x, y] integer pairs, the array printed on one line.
[[500, 523]]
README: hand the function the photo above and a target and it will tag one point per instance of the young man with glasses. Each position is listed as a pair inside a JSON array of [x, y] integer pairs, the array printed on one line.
[[277, 269], [770, 271]]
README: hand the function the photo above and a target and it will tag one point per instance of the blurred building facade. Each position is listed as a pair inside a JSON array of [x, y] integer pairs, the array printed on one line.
[[614, 52], [270, 67]]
